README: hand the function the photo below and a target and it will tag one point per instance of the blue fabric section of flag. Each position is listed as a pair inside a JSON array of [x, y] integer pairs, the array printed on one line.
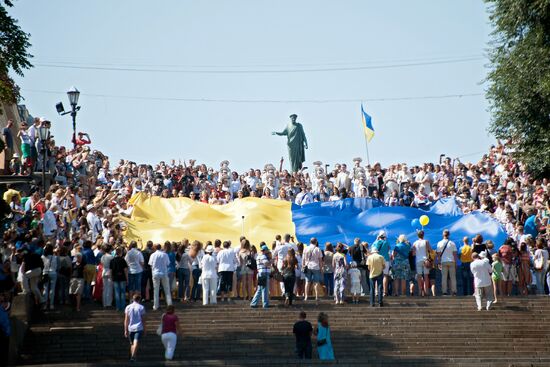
[[367, 119], [344, 220]]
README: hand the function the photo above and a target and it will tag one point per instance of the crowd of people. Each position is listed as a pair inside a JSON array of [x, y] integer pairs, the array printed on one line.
[[66, 243]]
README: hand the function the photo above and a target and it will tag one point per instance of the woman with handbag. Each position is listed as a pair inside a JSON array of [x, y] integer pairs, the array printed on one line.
[[324, 343], [247, 264], [290, 263], [168, 331], [328, 270]]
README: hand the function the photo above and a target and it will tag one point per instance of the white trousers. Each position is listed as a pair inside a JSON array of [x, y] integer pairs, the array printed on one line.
[[107, 291], [30, 283], [169, 340], [209, 288], [484, 292], [157, 280]]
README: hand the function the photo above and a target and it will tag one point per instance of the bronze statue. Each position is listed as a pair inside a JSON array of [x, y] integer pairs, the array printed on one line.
[[296, 141]]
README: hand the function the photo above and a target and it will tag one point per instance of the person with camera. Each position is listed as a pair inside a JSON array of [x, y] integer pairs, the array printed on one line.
[[483, 285], [447, 257], [359, 254]]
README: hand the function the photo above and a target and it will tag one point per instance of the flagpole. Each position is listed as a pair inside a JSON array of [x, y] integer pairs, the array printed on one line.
[[367, 147], [366, 139]]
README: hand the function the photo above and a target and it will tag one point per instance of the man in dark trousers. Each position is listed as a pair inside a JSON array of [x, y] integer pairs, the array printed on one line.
[[147, 277], [302, 330]]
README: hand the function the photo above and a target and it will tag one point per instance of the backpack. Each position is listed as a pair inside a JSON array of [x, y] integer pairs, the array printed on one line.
[[250, 262]]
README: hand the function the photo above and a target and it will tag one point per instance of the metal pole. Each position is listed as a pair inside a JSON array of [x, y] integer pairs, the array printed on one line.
[[73, 114], [367, 147], [43, 168]]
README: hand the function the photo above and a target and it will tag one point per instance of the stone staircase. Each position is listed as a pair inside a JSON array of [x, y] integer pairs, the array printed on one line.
[[409, 331]]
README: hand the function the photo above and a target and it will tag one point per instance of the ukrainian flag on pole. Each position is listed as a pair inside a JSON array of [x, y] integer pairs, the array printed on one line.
[[367, 124]]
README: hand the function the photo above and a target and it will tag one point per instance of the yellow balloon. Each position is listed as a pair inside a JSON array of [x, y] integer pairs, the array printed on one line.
[[424, 220]]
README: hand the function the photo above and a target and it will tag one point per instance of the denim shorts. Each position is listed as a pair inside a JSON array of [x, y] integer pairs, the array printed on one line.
[[135, 336], [313, 276]]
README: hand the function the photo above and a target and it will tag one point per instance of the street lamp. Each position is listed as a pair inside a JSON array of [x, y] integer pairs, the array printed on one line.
[[44, 135], [73, 95]]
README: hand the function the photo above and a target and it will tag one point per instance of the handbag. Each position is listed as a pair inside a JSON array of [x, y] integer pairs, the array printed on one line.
[[428, 263], [442, 253], [276, 274], [251, 262], [159, 328], [539, 263]]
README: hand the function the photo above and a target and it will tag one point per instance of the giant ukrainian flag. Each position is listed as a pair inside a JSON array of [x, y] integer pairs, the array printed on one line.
[[367, 124], [159, 219]]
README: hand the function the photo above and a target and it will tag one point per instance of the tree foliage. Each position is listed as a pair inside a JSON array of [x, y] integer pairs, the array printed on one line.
[[519, 79], [14, 55]]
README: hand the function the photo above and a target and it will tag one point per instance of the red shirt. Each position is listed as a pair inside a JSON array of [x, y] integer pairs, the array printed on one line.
[[169, 322], [506, 254]]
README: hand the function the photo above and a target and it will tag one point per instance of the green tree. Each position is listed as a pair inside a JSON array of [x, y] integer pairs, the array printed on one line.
[[519, 79], [13, 53]]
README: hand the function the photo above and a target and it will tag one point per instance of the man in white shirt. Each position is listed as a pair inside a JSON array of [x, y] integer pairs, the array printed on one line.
[[311, 263], [252, 180], [49, 222], [159, 262], [227, 264], [135, 261], [447, 260], [343, 179], [304, 196], [481, 269], [93, 222], [209, 276], [235, 184], [279, 254]]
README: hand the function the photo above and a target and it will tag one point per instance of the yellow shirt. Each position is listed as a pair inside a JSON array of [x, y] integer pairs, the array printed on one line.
[[466, 254], [376, 264]]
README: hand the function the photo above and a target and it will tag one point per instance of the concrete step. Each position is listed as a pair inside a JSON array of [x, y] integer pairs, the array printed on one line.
[[409, 331]]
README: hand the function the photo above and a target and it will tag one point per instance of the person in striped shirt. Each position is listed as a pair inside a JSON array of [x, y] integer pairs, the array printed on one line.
[[264, 267]]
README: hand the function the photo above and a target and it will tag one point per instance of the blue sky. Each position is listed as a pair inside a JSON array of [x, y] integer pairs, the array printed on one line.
[[256, 36]]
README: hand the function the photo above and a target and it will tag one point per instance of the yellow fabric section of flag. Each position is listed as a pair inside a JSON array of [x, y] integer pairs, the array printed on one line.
[[158, 219], [369, 134]]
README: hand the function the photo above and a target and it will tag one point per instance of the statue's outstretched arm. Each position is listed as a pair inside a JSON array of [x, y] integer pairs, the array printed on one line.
[[282, 133]]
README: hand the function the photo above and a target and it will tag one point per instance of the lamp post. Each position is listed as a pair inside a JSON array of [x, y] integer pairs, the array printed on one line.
[[73, 95], [43, 135]]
